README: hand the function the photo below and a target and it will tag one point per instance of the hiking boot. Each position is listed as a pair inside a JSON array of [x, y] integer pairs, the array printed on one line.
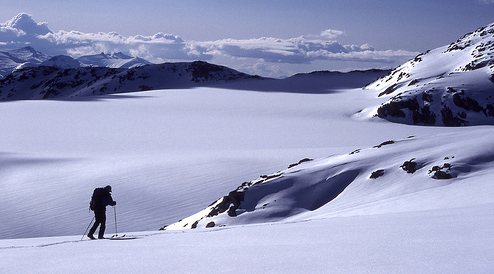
[[90, 236], [101, 237]]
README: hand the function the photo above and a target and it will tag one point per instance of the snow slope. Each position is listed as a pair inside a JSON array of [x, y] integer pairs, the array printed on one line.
[[451, 85], [170, 153], [457, 167], [164, 144], [440, 241]]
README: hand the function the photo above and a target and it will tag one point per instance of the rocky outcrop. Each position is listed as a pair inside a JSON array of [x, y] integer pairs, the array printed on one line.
[[448, 86]]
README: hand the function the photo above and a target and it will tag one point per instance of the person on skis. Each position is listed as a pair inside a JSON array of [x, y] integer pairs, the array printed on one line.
[[100, 199]]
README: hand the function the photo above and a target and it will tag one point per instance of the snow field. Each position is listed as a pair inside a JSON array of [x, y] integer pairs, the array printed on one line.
[[169, 154], [438, 241]]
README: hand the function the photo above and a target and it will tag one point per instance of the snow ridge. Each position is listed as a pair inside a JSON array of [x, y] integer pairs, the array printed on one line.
[[114, 60], [448, 86], [354, 183], [52, 82]]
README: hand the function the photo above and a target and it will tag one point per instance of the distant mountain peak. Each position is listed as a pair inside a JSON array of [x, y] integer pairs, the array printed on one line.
[[112, 60]]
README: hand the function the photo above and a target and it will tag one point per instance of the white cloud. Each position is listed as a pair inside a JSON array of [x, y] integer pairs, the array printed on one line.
[[299, 50], [331, 33], [486, 1], [22, 30]]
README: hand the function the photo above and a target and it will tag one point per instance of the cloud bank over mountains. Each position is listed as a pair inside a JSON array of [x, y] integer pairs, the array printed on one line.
[[265, 52]]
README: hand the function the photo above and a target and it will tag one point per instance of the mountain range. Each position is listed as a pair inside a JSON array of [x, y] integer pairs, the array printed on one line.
[[12, 60], [44, 82], [34, 75]]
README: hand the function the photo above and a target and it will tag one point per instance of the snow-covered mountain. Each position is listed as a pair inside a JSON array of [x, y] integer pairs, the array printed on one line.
[[51, 82], [11, 60], [60, 77], [114, 60], [451, 85], [61, 62]]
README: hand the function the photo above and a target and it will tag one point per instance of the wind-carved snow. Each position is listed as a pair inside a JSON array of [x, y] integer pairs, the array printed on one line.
[[357, 182], [451, 85]]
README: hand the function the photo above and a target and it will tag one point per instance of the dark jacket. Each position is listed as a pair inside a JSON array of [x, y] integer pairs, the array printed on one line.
[[100, 199]]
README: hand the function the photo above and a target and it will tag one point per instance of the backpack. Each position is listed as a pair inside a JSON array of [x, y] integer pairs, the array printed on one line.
[[96, 199]]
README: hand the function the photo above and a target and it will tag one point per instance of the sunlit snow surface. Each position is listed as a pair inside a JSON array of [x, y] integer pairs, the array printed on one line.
[[169, 154]]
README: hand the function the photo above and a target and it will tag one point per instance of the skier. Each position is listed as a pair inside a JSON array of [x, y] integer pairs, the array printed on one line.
[[100, 199]]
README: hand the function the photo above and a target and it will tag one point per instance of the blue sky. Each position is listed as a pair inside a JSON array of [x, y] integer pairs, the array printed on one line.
[[226, 31]]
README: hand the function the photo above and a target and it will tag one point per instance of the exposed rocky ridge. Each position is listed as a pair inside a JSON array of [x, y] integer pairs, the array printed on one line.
[[50, 82], [451, 86]]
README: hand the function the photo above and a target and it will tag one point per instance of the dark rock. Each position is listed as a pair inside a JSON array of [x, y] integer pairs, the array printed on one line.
[[376, 174], [194, 225], [466, 103], [441, 175], [450, 120], [299, 162], [441, 172], [233, 198], [409, 166], [385, 143], [434, 168], [413, 82], [489, 110], [427, 97], [389, 90], [425, 116], [396, 108], [210, 224]]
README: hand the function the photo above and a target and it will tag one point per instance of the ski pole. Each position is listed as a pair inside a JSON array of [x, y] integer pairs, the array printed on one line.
[[115, 214], [87, 228]]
